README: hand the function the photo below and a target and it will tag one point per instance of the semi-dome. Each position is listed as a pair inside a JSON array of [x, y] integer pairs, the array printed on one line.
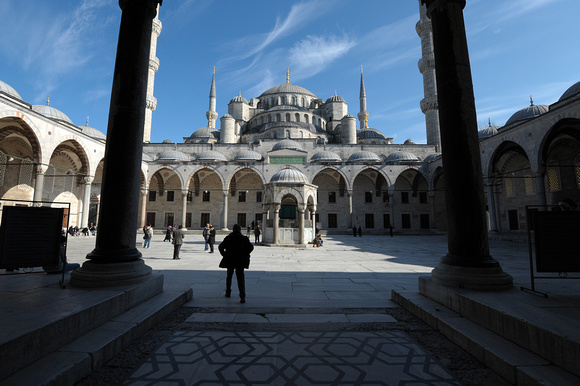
[[325, 157], [172, 155], [364, 156], [529, 112], [402, 156], [287, 144], [248, 155], [289, 175], [573, 90], [368, 133], [211, 156], [51, 112], [287, 88], [432, 157], [6, 88]]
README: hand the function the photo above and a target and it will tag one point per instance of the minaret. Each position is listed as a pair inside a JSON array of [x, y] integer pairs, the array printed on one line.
[[363, 116], [212, 115], [429, 105], [153, 67]]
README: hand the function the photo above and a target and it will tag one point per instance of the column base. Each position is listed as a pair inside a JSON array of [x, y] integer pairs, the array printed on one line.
[[98, 275], [488, 278]]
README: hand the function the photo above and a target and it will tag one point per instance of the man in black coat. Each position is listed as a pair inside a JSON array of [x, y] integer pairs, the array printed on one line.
[[236, 249]]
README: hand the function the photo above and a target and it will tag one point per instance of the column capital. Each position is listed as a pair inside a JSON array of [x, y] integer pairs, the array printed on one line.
[[40, 168], [88, 179]]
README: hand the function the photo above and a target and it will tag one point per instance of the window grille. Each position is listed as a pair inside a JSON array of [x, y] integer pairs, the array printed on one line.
[[554, 177], [25, 177]]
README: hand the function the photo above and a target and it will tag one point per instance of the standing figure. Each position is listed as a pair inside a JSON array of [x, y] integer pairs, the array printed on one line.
[[211, 238], [257, 233], [354, 231], [359, 231], [167, 234], [206, 236], [236, 249], [391, 230], [177, 242], [147, 235], [249, 229]]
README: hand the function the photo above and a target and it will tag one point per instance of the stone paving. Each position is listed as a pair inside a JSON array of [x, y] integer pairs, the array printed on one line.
[[299, 324]]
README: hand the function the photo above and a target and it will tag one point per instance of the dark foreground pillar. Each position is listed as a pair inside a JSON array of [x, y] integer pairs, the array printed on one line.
[[115, 259], [468, 263]]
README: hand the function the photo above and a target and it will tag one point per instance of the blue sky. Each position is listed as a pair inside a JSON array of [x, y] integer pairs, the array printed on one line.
[[66, 48]]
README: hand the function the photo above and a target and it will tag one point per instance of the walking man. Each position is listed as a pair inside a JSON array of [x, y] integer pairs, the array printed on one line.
[[205, 236], [236, 249], [177, 242], [211, 238]]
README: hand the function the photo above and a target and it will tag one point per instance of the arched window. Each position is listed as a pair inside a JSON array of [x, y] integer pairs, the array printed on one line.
[[278, 117], [293, 100], [297, 117], [274, 135], [261, 120], [319, 122], [287, 117], [553, 172], [269, 118], [303, 102], [306, 118]]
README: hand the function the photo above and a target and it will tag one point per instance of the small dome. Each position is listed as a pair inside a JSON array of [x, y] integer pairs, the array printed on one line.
[[324, 157], [239, 99], [227, 116], [248, 155], [335, 98], [489, 131], [402, 156], [364, 157], [5, 87], [52, 113], [92, 132], [368, 133], [166, 141], [409, 141], [573, 90], [172, 155], [211, 156], [432, 157], [287, 144], [529, 112], [289, 175]]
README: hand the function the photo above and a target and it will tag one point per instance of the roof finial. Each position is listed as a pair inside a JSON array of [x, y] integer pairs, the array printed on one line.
[[214, 70], [240, 93], [489, 121], [87, 120], [334, 92], [531, 101], [361, 71], [287, 74], [48, 100]]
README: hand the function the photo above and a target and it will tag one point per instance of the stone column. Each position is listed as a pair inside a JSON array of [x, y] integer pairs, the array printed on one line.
[[183, 207], [491, 207], [350, 209], [115, 259], [86, 202], [276, 225], [432, 222], [39, 182], [143, 210], [225, 212], [392, 204], [300, 225], [468, 263], [541, 189]]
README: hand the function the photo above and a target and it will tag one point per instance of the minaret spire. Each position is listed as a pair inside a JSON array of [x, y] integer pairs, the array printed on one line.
[[212, 115], [363, 115], [287, 74]]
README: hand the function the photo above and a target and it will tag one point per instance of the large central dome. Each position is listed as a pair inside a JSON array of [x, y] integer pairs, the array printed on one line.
[[287, 88]]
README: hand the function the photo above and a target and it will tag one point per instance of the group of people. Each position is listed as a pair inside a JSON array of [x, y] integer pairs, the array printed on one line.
[[209, 237], [86, 231]]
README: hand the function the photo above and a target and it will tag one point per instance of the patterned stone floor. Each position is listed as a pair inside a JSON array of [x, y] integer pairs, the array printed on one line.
[[291, 358]]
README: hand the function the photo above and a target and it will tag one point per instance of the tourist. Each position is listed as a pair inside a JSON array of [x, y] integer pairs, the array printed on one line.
[[205, 234], [236, 249], [354, 231], [147, 235], [168, 234], [177, 242], [211, 238], [257, 233]]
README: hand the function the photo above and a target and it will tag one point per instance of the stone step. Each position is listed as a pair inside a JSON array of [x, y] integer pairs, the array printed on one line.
[[511, 361], [277, 318], [79, 358]]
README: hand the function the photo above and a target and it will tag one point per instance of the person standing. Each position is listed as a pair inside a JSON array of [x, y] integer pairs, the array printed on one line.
[[147, 235], [211, 238], [177, 242], [359, 231], [257, 233], [354, 231], [236, 249], [391, 230], [167, 234], [206, 236]]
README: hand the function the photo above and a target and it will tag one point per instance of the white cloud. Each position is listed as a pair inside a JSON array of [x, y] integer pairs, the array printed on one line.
[[312, 55]]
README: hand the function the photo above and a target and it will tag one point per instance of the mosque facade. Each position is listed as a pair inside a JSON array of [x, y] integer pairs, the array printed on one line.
[[290, 161]]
